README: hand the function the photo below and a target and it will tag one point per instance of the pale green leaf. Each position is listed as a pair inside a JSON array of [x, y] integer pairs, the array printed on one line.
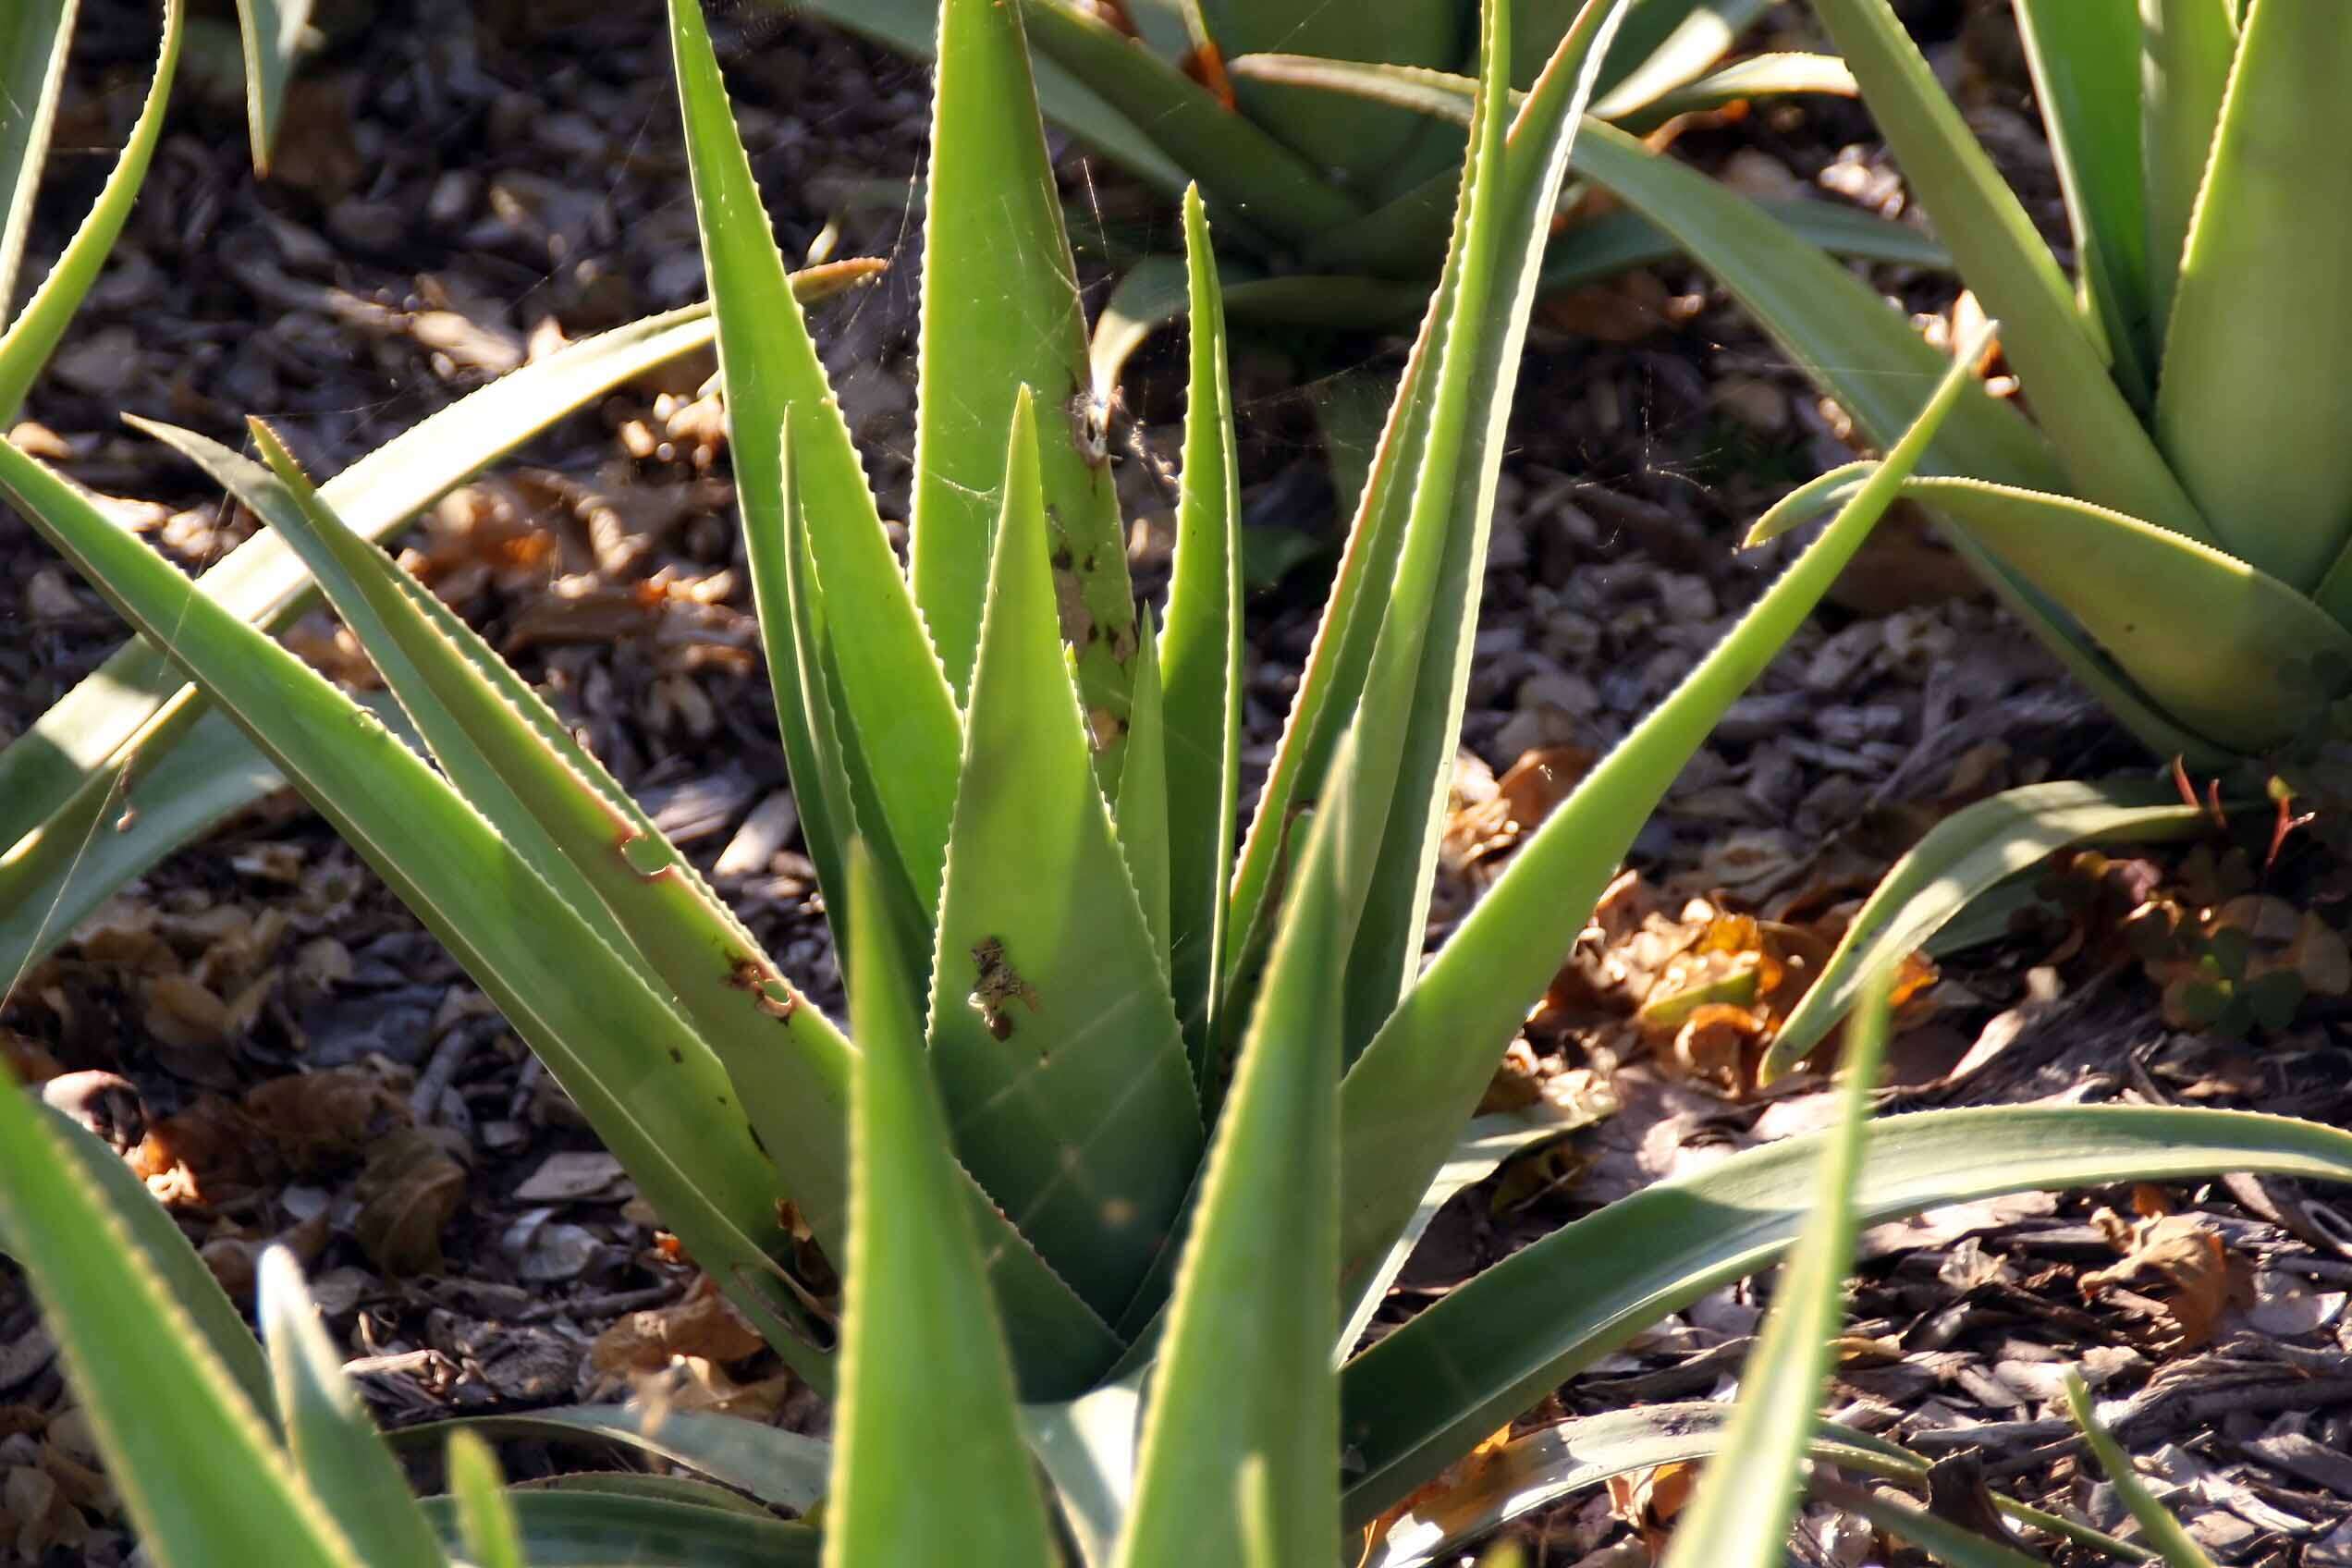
[[272, 32], [586, 1529], [2058, 352], [1252, 1392], [1144, 790], [778, 1467], [35, 36], [177, 1433], [1964, 855], [2186, 50], [2252, 356], [485, 1516], [928, 1462], [1423, 1395], [1739, 1517], [1425, 1069], [2171, 1539], [335, 1447]]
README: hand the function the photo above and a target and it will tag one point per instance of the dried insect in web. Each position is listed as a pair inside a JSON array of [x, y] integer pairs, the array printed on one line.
[[1090, 412], [999, 985]]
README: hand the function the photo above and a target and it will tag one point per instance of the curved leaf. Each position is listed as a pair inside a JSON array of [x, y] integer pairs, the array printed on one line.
[[2245, 352], [1409, 1093], [586, 1529], [2185, 68], [34, 336], [1961, 857], [272, 32], [335, 1447], [2058, 352], [1423, 1395], [177, 1433], [780, 1468], [35, 36], [2174, 1543]]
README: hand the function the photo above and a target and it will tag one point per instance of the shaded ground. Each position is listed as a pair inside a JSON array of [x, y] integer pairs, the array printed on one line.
[[460, 192]]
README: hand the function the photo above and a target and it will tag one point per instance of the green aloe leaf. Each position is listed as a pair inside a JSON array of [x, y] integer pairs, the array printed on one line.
[[272, 32], [1740, 1516], [649, 1085], [35, 334], [1559, 1461], [485, 1516], [1249, 173], [1366, 141], [2245, 352], [2203, 633], [1664, 44], [1087, 1447], [1944, 1543], [185, 1276], [783, 1469], [2058, 352], [901, 715], [1144, 803], [1202, 660], [1961, 858], [335, 1446], [1052, 1033], [93, 728], [179, 1435], [1417, 1083], [2086, 62], [658, 1488], [1432, 604], [1000, 311], [2172, 1542], [922, 1355], [34, 38], [1759, 76], [514, 760], [2186, 50], [1497, 1344], [1254, 1392], [586, 1529]]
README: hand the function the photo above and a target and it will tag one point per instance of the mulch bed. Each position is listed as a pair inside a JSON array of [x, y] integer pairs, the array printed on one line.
[[465, 187]]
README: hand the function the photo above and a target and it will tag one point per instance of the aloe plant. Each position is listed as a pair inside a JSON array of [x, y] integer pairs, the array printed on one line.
[[1337, 214], [2174, 518], [1104, 1075]]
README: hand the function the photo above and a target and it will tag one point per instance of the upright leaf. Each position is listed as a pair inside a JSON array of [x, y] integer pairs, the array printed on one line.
[[35, 332], [1052, 1033], [2085, 58], [1405, 1098], [35, 36], [336, 1447], [487, 1521], [179, 1438], [928, 1464], [2058, 352], [1201, 656], [2166, 1534], [272, 32], [1000, 311], [1142, 814], [2186, 50], [2252, 357], [1740, 1517], [1252, 1394], [901, 715], [649, 1085]]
